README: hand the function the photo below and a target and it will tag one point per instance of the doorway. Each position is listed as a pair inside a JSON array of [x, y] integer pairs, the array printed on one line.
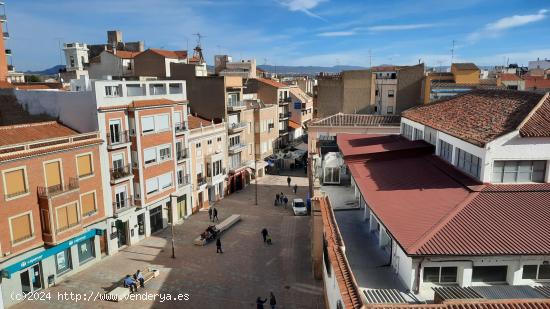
[[182, 206], [103, 244], [155, 216], [122, 233], [201, 202], [31, 279]]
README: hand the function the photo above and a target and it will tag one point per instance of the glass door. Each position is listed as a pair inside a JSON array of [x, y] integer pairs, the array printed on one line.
[[31, 279], [114, 127]]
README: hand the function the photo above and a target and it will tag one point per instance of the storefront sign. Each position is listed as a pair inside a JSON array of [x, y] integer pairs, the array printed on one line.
[[8, 271]]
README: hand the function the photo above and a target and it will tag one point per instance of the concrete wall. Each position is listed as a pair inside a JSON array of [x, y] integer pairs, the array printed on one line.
[[109, 65], [330, 98], [333, 296], [358, 92], [74, 109], [409, 87], [314, 132], [149, 63]]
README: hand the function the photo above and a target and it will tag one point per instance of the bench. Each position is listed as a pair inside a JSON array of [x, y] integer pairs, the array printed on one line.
[[221, 227], [120, 293]]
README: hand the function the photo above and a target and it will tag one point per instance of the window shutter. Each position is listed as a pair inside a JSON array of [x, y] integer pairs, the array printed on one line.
[[84, 165], [72, 214], [15, 182], [53, 174], [88, 204], [21, 228], [148, 124], [62, 221]]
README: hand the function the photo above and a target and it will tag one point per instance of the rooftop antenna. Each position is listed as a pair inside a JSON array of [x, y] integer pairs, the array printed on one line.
[[60, 49], [199, 37], [370, 58], [453, 52], [197, 53]]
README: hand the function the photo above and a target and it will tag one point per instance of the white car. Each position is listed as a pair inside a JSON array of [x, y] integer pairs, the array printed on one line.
[[299, 207]]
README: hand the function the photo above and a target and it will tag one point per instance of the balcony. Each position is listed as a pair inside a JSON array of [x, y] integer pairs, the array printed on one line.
[[201, 183], [181, 154], [8, 52], [183, 181], [123, 205], [48, 192], [3, 18], [180, 127], [236, 127], [120, 174], [241, 165], [6, 35], [283, 131], [211, 180], [284, 115], [236, 148], [236, 106], [117, 140], [285, 101]]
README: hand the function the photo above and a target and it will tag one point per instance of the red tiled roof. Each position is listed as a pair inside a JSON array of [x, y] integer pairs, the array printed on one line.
[[175, 54], [473, 304], [509, 77], [538, 124], [431, 208], [147, 103], [353, 120], [352, 145], [294, 125], [272, 83], [22, 133], [536, 82], [479, 116], [197, 122], [124, 54]]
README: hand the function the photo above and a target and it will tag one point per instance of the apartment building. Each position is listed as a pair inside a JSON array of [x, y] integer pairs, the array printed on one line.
[[115, 63], [221, 99], [144, 124], [51, 207], [301, 108], [460, 197], [208, 144], [265, 131], [273, 92], [225, 66], [156, 62]]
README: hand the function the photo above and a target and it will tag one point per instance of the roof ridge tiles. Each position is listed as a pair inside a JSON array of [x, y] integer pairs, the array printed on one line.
[[29, 124]]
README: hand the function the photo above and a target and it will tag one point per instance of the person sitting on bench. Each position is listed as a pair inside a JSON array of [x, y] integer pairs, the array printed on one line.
[[139, 277], [130, 283]]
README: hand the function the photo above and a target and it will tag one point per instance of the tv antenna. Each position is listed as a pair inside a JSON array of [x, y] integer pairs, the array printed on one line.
[[453, 52], [199, 37]]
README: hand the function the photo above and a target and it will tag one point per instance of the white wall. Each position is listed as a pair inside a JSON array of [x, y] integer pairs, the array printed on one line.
[[74, 109], [332, 289], [109, 65]]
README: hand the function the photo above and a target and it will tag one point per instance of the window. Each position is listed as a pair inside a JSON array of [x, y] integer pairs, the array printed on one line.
[[84, 165], [21, 228], [219, 139], [150, 155], [111, 91], [151, 185], [209, 142], [468, 163], [440, 274], [390, 110], [446, 151], [430, 135], [53, 174], [235, 140], [162, 122], [67, 216], [217, 167], [418, 134], [165, 181], [536, 272], [391, 94], [147, 124], [87, 202], [165, 152], [86, 251], [407, 131], [489, 274], [15, 182], [519, 171], [63, 261]]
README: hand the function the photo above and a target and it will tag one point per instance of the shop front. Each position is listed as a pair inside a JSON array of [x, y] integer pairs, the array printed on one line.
[[41, 268]]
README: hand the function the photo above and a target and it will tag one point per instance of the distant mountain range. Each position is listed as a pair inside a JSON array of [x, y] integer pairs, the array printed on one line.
[[51, 71], [310, 70]]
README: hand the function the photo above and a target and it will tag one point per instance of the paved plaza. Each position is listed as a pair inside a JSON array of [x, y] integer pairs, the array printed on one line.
[[247, 269]]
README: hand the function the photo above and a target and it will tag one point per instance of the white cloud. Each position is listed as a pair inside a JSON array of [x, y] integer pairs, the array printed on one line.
[[337, 33], [496, 28], [399, 27], [304, 6]]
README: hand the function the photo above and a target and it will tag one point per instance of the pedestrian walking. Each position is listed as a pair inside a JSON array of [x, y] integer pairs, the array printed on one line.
[[281, 198], [272, 300], [264, 234], [295, 188], [277, 199], [215, 215], [218, 245], [288, 180], [285, 200], [210, 213], [260, 303]]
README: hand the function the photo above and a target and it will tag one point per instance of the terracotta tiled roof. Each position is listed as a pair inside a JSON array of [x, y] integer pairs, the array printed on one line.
[[5, 85], [48, 149], [337, 259], [294, 125], [538, 124], [344, 120], [385, 68], [195, 122], [471, 304], [125, 54], [272, 83], [431, 208], [465, 66], [509, 77], [174, 54], [300, 94], [22, 133], [479, 116]]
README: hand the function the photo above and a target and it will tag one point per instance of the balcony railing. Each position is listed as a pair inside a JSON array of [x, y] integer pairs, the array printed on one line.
[[201, 181], [238, 105], [119, 138], [284, 115], [121, 172], [180, 127], [58, 189], [124, 204], [285, 100], [236, 147], [236, 126], [6, 35], [234, 167], [183, 180], [181, 154]]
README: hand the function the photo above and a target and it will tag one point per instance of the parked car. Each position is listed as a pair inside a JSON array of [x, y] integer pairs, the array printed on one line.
[[299, 207]]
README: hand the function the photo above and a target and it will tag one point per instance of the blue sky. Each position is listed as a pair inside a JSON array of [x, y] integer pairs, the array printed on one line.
[[292, 32]]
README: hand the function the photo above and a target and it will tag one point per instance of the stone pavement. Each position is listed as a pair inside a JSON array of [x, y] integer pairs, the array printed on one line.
[[247, 268]]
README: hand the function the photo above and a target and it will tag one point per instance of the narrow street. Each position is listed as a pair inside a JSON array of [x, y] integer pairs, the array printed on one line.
[[246, 270]]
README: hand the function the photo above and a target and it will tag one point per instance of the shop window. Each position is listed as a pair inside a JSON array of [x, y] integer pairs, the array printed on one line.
[[86, 251], [63, 261], [490, 274]]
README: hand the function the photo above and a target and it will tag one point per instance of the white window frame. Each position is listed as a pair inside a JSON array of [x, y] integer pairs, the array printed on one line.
[[149, 151], [154, 125]]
